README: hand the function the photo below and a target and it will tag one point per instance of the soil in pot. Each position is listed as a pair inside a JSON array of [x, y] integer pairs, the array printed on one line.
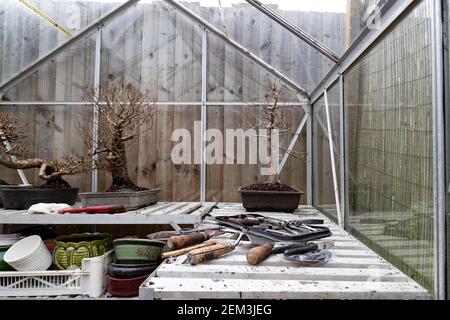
[[54, 191], [269, 187], [273, 197], [124, 186]]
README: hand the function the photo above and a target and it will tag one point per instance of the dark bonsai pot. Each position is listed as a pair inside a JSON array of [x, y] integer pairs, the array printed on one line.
[[21, 198], [11, 186], [272, 201]]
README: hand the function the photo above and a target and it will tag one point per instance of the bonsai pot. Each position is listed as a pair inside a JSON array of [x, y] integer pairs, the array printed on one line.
[[23, 197], [131, 199], [272, 201], [127, 271], [138, 251], [124, 287], [70, 250], [11, 185]]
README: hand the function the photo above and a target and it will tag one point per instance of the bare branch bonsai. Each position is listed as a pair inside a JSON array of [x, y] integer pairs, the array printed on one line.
[[270, 117], [51, 171], [122, 112]]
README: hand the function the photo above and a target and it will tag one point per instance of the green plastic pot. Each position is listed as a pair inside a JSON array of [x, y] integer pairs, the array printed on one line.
[[138, 251], [72, 249], [3, 265]]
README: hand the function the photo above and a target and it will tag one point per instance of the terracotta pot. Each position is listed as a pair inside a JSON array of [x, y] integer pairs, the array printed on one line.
[[124, 287]]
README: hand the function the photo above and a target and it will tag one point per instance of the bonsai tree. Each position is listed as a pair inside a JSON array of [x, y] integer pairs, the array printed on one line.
[[14, 155], [271, 118], [122, 111]]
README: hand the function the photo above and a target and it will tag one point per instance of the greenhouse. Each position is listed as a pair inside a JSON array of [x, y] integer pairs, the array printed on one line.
[[224, 149]]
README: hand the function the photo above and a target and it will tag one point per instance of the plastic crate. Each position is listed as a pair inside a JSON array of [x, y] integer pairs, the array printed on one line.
[[90, 280]]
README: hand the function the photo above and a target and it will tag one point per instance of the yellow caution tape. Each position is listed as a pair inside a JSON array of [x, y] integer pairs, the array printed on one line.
[[48, 19]]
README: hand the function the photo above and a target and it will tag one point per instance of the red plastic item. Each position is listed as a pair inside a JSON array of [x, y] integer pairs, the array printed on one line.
[[95, 209]]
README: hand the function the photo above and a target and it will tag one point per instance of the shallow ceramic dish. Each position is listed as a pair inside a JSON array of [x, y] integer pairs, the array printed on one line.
[[137, 251], [127, 271], [70, 250], [124, 287], [29, 254], [3, 265]]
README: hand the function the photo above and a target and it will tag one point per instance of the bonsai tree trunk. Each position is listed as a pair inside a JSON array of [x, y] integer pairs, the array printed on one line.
[[117, 162], [273, 178]]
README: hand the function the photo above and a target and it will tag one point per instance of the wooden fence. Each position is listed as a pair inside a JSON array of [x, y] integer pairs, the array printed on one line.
[[158, 50]]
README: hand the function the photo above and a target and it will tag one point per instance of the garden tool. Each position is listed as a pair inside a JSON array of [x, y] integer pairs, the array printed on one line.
[[276, 230], [245, 221], [96, 209], [212, 252], [258, 254], [180, 252], [191, 239]]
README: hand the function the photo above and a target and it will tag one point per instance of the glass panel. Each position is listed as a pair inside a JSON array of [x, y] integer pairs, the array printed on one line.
[[156, 49], [272, 43], [327, 14], [323, 195], [389, 146], [223, 180], [359, 14], [233, 78], [53, 133], [25, 36], [63, 78], [150, 162]]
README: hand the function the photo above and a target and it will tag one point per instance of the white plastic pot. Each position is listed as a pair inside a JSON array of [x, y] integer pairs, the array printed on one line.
[[29, 254]]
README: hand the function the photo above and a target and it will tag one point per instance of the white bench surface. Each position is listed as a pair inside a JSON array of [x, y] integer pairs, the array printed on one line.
[[355, 272]]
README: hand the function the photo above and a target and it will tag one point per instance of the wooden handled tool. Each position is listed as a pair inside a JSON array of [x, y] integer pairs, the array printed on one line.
[[186, 240], [245, 221], [259, 254], [208, 253], [95, 209], [179, 252]]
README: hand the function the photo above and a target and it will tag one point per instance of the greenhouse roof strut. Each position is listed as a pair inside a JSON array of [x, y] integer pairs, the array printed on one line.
[[294, 29]]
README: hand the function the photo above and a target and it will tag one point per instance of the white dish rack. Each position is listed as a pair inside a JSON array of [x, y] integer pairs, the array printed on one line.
[[90, 280]]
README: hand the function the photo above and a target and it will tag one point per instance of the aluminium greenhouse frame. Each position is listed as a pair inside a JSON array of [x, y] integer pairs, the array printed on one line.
[[389, 14]]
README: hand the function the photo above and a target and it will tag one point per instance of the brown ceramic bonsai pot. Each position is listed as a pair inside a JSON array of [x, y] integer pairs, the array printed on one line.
[[272, 201], [124, 287]]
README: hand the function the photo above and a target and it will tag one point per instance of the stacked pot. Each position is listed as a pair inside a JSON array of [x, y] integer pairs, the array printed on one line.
[[29, 254], [135, 260]]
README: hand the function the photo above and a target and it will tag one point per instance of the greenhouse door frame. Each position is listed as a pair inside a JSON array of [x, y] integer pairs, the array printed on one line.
[[389, 15], [446, 94]]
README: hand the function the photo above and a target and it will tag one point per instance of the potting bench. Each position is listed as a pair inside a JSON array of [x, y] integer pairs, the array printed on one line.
[[173, 213], [355, 272]]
